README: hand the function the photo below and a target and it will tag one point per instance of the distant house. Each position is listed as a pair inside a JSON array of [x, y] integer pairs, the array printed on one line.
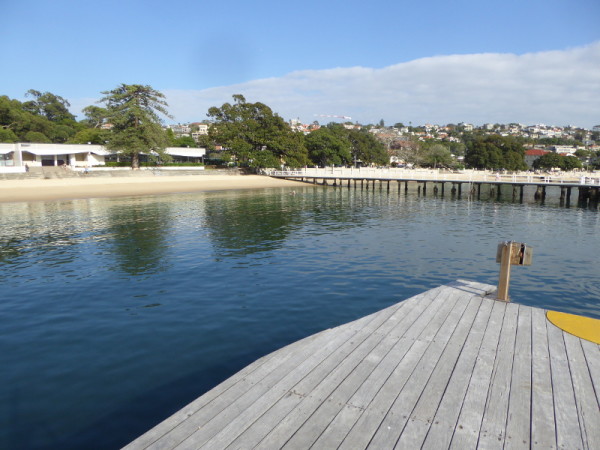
[[532, 155], [201, 126], [180, 130]]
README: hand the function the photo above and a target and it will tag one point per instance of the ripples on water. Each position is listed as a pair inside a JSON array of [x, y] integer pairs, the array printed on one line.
[[117, 312]]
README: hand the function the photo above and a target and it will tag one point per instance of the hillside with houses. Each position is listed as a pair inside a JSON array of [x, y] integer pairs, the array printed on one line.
[[42, 131]]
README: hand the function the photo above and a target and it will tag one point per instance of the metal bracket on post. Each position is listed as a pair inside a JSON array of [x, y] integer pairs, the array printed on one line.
[[511, 253]]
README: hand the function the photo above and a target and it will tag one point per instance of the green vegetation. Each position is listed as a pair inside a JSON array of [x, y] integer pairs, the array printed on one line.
[[554, 160], [43, 119], [495, 152], [255, 136], [133, 110], [327, 146], [252, 135], [438, 155]]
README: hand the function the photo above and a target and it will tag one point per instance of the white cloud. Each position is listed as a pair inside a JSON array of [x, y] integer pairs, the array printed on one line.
[[555, 87]]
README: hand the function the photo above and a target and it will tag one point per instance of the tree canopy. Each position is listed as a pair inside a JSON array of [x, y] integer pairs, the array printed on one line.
[[255, 136], [438, 155], [366, 148], [554, 160], [495, 152], [328, 148], [51, 106], [44, 119], [134, 112]]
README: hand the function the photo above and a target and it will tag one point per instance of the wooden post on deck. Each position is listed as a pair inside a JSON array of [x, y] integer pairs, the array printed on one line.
[[510, 253], [504, 281]]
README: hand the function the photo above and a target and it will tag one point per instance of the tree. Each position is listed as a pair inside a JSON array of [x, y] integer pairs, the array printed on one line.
[[438, 155], [367, 148], [494, 152], [52, 107], [255, 136], [554, 160], [456, 148], [19, 118], [89, 135], [95, 115], [36, 136], [7, 136], [183, 141], [408, 151], [327, 148], [134, 111]]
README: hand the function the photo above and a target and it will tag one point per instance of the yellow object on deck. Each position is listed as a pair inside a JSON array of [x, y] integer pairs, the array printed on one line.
[[582, 327]]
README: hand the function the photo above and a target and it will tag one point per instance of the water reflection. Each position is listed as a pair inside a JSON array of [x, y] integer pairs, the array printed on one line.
[[139, 236], [246, 224]]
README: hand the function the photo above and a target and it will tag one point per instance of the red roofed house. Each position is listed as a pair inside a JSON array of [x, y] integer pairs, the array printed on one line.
[[533, 154]]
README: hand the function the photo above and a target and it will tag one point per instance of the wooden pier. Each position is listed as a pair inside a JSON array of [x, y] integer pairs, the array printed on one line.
[[588, 194], [449, 368]]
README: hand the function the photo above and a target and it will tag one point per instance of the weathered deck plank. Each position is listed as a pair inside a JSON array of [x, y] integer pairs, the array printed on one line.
[[444, 421], [466, 433], [543, 426], [422, 415], [585, 398], [391, 428], [568, 434], [518, 426], [493, 426], [445, 369]]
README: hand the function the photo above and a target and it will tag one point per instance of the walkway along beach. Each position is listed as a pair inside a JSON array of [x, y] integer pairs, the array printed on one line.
[[449, 368]]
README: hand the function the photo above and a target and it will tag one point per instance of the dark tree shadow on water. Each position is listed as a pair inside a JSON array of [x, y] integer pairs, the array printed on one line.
[[140, 237]]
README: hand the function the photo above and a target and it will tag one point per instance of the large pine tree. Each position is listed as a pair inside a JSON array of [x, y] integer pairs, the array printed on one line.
[[134, 112]]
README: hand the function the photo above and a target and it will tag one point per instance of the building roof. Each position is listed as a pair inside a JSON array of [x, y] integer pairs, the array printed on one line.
[[535, 152], [61, 149], [186, 151]]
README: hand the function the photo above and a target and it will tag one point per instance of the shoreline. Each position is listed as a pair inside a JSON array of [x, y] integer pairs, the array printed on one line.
[[101, 187]]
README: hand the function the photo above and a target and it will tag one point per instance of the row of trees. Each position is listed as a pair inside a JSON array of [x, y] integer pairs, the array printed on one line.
[[554, 160], [251, 134], [495, 152], [256, 136], [44, 118]]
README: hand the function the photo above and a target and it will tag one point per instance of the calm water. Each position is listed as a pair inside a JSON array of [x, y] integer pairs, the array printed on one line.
[[117, 312]]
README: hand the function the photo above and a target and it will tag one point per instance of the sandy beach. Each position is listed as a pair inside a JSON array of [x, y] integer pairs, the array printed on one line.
[[72, 188]]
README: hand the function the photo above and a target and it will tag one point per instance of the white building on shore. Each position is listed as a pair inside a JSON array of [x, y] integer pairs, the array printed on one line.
[[14, 157], [18, 156]]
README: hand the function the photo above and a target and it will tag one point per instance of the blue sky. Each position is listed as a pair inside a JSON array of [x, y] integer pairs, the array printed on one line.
[[428, 61]]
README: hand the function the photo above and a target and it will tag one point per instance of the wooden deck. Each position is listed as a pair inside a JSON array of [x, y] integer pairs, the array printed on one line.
[[444, 369]]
